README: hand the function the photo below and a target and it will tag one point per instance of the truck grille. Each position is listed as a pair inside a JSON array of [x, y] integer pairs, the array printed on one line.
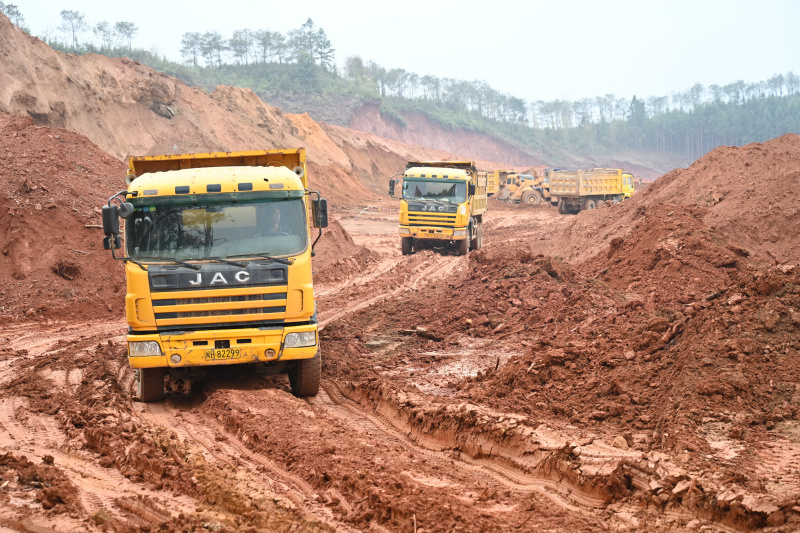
[[432, 219], [192, 311]]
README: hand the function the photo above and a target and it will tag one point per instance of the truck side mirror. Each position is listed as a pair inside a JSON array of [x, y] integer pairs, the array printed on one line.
[[471, 189], [391, 187], [319, 210], [110, 220]]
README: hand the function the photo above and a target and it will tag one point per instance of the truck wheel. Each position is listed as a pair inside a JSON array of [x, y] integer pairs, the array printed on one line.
[[305, 375], [463, 246], [590, 204], [406, 245], [531, 198], [480, 236], [150, 387], [562, 207]]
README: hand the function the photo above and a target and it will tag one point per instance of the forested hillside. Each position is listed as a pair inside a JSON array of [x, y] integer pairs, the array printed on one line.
[[297, 72]]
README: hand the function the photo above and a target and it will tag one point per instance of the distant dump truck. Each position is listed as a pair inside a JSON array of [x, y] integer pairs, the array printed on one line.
[[579, 190], [218, 254], [442, 201]]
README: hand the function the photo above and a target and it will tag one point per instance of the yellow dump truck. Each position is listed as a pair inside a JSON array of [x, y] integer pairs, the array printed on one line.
[[217, 257], [577, 190], [442, 201]]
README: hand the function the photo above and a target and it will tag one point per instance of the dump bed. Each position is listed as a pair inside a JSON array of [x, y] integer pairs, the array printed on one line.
[[291, 158], [479, 204], [462, 165], [595, 182]]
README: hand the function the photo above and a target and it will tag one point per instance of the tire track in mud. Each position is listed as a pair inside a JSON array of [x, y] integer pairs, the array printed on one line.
[[225, 450], [500, 474], [37, 436], [98, 487], [430, 270]]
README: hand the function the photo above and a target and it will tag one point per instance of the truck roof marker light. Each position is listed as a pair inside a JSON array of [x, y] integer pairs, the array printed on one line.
[[213, 187], [182, 189]]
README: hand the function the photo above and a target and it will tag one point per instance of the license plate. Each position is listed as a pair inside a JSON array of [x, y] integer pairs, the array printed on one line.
[[223, 353]]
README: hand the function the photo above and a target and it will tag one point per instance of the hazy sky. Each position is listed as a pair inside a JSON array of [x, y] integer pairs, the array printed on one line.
[[536, 50]]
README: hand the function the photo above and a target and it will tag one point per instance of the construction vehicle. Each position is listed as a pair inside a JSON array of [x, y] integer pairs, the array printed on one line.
[[218, 250], [578, 190], [442, 201], [494, 180], [526, 189]]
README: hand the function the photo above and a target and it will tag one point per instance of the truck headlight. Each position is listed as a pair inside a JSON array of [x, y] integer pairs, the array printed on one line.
[[462, 210], [143, 348], [300, 339], [460, 233], [405, 230]]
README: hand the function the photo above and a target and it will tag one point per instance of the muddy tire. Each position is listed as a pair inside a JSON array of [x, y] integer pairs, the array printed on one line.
[[531, 198], [562, 207], [406, 245], [589, 205], [150, 385], [305, 375], [480, 237], [463, 246]]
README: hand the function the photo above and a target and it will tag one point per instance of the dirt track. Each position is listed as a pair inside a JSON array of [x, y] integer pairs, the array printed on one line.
[[398, 439]]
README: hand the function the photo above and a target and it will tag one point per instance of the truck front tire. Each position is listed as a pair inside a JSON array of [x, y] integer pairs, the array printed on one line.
[[406, 245], [305, 376], [150, 387]]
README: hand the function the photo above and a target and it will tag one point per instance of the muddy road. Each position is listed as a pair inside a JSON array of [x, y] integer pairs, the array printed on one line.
[[396, 440]]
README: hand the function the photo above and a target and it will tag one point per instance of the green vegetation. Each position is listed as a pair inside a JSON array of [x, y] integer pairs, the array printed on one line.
[[298, 72]]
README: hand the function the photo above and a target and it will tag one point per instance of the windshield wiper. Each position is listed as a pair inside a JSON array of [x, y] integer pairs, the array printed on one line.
[[182, 263], [220, 260], [264, 256]]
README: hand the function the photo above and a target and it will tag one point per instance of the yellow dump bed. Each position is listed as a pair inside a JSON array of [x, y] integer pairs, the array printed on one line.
[[594, 182], [291, 158]]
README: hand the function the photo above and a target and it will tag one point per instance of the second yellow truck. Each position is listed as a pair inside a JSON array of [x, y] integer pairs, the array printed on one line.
[[442, 201], [578, 190]]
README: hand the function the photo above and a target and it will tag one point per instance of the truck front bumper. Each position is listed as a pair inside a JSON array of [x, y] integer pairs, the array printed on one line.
[[223, 347], [433, 232]]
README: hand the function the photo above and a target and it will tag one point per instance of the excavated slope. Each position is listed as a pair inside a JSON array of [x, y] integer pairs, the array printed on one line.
[[127, 108]]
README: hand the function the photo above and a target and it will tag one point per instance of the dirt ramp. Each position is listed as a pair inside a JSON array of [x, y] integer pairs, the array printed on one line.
[[53, 183]]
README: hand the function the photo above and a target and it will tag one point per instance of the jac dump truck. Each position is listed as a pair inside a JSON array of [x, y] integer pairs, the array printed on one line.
[[217, 257], [442, 201], [577, 190], [526, 189]]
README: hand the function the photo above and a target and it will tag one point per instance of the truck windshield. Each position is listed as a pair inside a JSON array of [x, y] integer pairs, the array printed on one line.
[[442, 191], [219, 230]]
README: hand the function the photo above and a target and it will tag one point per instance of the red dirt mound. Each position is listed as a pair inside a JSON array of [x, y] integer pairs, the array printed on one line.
[[670, 329], [52, 184], [751, 195], [337, 256]]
